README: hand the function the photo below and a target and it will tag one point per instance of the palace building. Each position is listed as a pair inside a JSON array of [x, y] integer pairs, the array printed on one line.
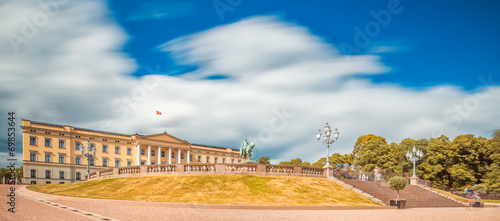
[[51, 152]]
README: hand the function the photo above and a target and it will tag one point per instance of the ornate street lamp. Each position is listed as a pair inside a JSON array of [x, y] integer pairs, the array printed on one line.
[[90, 154], [415, 155], [327, 140]]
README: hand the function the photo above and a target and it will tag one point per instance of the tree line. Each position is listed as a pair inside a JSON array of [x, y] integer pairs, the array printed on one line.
[[453, 164]]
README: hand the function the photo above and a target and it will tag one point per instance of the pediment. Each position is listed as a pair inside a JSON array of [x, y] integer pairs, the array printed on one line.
[[162, 137]]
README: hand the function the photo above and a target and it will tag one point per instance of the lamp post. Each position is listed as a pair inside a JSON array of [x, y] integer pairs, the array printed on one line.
[[327, 140], [415, 155], [90, 154]]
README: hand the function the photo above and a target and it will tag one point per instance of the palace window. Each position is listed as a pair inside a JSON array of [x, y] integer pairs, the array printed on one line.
[[182, 155], [117, 163], [62, 158], [47, 174], [162, 153], [129, 151], [61, 175], [223, 160], [33, 173], [199, 158], [104, 148], [117, 150], [32, 156], [153, 153], [190, 157], [48, 142], [62, 144], [208, 160], [129, 163], [104, 162], [216, 159], [91, 161], [32, 140], [77, 145], [143, 152], [232, 160], [143, 163], [239, 161], [48, 157], [173, 155], [78, 176], [78, 160]]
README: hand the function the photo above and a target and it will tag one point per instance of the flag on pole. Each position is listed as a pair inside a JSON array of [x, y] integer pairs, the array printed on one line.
[[158, 113]]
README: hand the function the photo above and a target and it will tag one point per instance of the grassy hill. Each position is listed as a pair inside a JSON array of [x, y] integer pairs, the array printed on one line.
[[215, 189]]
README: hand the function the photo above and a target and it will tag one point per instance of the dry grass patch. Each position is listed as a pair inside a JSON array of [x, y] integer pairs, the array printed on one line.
[[215, 189]]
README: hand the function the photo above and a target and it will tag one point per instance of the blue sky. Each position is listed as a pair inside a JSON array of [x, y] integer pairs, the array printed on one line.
[[427, 43], [270, 71]]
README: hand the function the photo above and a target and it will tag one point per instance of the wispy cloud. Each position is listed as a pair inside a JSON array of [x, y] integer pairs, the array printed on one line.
[[164, 10]]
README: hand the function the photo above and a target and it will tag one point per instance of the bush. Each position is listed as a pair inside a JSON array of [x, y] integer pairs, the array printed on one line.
[[480, 188], [397, 183]]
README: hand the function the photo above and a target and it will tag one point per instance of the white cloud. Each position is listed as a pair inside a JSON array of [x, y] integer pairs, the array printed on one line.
[[72, 72]]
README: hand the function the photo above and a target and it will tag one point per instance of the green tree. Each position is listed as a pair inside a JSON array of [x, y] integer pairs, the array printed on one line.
[[320, 163], [492, 176], [397, 183], [264, 160], [437, 161], [480, 188], [295, 162], [364, 139], [372, 151]]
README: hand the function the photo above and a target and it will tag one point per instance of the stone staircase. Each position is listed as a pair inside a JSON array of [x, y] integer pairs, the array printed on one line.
[[415, 196]]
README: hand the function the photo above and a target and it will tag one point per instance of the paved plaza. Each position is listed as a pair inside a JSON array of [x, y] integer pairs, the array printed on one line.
[[36, 206]]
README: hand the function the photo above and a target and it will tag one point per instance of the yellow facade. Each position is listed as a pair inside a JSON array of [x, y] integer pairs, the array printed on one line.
[[51, 153]]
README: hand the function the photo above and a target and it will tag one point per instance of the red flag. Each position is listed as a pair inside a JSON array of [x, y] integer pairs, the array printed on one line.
[[158, 113]]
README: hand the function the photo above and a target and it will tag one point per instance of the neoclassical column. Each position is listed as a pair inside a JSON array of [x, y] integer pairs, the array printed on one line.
[[179, 156], [159, 155], [187, 156], [138, 155], [169, 157], [149, 154]]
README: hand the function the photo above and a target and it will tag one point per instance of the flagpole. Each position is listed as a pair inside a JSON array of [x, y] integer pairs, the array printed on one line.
[[156, 120]]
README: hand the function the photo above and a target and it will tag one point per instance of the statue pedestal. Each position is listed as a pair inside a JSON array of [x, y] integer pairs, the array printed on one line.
[[414, 180], [329, 171]]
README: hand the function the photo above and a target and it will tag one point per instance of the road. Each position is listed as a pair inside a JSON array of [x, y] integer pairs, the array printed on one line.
[[36, 206]]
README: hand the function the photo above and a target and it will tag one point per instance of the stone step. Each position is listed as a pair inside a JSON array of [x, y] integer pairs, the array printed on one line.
[[415, 196]]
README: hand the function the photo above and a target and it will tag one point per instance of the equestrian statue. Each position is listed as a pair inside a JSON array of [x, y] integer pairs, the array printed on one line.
[[246, 149]]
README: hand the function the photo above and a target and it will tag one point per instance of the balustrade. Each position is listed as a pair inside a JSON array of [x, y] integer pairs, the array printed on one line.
[[313, 171], [161, 168], [129, 170], [211, 168], [199, 168], [279, 169], [106, 172], [241, 168]]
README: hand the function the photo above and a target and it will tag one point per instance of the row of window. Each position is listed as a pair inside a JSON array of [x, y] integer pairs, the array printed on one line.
[[78, 159], [62, 144], [48, 174]]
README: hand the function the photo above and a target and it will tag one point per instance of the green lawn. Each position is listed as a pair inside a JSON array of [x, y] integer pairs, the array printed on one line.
[[215, 189]]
